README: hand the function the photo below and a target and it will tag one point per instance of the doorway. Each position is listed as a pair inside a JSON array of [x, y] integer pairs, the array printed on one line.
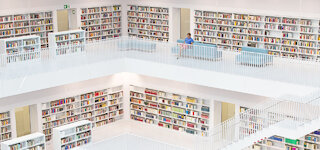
[[184, 22], [26, 120], [23, 125], [181, 23], [227, 111], [67, 19]]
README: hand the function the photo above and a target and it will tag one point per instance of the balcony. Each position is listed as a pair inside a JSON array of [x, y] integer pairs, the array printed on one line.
[[110, 56], [48, 68]]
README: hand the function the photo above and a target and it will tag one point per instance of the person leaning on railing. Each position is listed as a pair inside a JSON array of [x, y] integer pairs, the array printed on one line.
[[188, 41]]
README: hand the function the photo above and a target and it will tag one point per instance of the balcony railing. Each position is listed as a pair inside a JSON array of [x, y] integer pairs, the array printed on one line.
[[289, 114], [256, 65]]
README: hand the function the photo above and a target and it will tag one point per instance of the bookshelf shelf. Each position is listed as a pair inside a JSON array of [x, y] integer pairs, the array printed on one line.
[[310, 141], [148, 22], [72, 135], [173, 111], [256, 31], [95, 21], [5, 126], [66, 42], [35, 141], [88, 106], [16, 48], [39, 24]]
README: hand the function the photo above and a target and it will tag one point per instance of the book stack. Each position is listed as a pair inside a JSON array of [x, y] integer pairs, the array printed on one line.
[[164, 109], [100, 107], [148, 22], [273, 33], [101, 22]]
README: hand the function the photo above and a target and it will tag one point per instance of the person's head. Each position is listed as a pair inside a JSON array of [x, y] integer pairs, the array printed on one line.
[[189, 35]]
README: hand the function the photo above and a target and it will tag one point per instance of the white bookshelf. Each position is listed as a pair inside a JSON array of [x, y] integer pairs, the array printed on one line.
[[282, 36], [21, 48], [101, 22], [67, 42], [39, 24], [35, 141], [173, 111], [101, 107], [73, 135], [5, 126], [148, 22], [310, 141]]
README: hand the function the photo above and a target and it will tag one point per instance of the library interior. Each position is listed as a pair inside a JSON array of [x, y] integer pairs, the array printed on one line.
[[160, 75]]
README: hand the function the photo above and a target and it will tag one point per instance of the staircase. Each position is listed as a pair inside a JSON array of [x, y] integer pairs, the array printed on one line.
[[283, 118]]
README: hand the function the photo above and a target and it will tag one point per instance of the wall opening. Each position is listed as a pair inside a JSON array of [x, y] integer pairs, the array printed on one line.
[[67, 19]]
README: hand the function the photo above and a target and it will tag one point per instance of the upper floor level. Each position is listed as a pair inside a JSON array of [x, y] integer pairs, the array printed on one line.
[[246, 72]]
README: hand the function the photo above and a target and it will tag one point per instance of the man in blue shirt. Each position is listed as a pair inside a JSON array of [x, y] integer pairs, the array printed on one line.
[[188, 39]]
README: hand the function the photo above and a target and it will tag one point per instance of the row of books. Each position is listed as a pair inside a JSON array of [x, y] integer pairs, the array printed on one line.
[[73, 109], [100, 9], [152, 106], [247, 17], [104, 17]]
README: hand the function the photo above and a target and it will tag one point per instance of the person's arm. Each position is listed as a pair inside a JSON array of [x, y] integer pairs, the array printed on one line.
[[192, 41]]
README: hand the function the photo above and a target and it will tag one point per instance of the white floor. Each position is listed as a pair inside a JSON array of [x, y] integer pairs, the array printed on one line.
[[131, 142], [134, 135]]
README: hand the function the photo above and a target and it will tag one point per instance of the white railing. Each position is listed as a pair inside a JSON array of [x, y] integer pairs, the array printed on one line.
[[250, 64], [257, 65], [254, 120], [21, 57]]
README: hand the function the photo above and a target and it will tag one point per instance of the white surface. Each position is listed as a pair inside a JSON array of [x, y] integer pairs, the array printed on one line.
[[37, 45], [224, 81], [5, 145], [53, 41], [58, 133], [179, 139], [72, 125], [218, 80], [279, 129], [129, 141]]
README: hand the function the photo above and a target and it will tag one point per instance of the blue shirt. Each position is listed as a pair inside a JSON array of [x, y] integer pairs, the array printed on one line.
[[188, 41]]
